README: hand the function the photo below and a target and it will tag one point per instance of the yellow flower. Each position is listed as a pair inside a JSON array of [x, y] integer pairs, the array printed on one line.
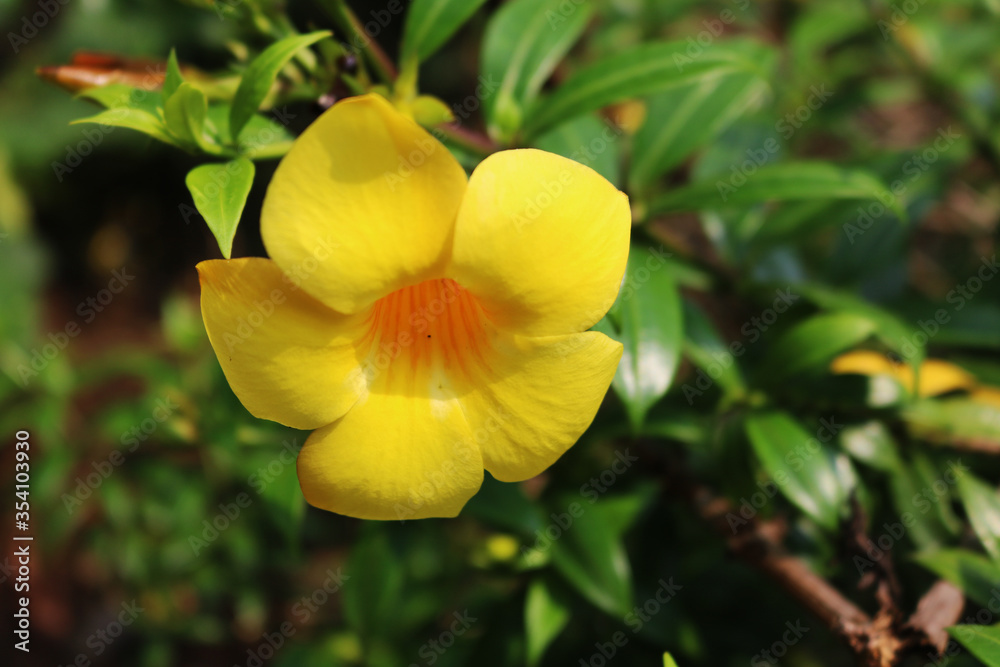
[[936, 376], [427, 324]]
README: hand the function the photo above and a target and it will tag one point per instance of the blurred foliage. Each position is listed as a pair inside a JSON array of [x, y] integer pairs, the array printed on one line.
[[810, 182]]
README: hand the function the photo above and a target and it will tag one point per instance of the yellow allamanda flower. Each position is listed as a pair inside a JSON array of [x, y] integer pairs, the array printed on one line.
[[427, 324], [936, 376]]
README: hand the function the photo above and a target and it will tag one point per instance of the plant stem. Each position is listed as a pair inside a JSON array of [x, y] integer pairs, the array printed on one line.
[[469, 140], [359, 40]]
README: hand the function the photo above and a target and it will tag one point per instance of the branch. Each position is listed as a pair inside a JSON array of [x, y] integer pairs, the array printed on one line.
[[939, 608], [882, 641]]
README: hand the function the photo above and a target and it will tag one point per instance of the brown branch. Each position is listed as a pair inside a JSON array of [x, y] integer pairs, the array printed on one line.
[[939, 608], [882, 641]]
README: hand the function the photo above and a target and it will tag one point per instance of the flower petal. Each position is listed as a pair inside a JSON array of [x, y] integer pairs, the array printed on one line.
[[363, 204], [542, 241], [287, 357], [537, 397], [393, 456]]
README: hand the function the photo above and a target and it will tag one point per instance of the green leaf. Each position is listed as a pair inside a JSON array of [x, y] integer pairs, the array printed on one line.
[[588, 141], [134, 119], [974, 574], [954, 421], [809, 346], [117, 95], [261, 138], [716, 359], [650, 327], [668, 660], [982, 505], [220, 192], [524, 41], [981, 640], [622, 510], [889, 329], [636, 72], [545, 616], [174, 78], [430, 23], [590, 561], [684, 118], [804, 469], [371, 595], [786, 181], [260, 75], [184, 114], [919, 506], [506, 507], [872, 444]]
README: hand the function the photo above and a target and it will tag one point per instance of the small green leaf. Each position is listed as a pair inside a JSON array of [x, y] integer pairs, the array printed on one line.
[[668, 660], [174, 78], [184, 114], [983, 641], [804, 469], [220, 193], [684, 118], [430, 23], [651, 329], [545, 616], [787, 181], [636, 72], [588, 141], [596, 566], [134, 119], [524, 41], [975, 575], [809, 346], [982, 505], [260, 75]]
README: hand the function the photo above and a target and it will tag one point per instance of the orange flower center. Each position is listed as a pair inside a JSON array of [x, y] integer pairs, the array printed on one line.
[[427, 335]]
